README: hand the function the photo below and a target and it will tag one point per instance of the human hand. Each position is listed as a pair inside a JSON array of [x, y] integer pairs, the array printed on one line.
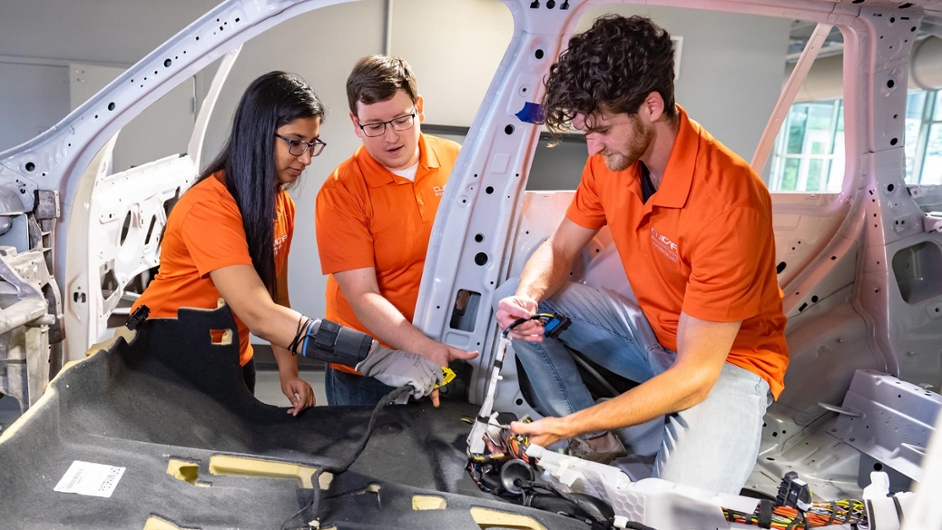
[[298, 392], [542, 432], [513, 307], [398, 368], [442, 354]]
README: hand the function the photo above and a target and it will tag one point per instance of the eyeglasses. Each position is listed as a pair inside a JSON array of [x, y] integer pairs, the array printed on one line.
[[299, 147], [402, 123]]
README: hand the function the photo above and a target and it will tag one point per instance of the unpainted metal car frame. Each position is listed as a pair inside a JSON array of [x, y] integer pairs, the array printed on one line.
[[863, 302]]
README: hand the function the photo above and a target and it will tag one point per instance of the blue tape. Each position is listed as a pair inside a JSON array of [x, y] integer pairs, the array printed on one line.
[[531, 113]]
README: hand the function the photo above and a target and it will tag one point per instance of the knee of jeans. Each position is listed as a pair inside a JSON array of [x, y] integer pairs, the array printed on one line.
[[508, 288]]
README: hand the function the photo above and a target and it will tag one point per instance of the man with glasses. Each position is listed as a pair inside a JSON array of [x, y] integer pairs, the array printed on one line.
[[374, 217]]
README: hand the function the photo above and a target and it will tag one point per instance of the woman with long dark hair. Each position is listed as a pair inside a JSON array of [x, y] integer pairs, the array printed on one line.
[[228, 238]]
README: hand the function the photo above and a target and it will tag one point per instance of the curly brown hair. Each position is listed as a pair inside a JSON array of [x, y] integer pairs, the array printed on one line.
[[377, 78], [613, 67]]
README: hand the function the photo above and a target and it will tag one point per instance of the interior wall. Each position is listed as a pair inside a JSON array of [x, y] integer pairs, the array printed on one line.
[[115, 32], [26, 113], [729, 81], [454, 63]]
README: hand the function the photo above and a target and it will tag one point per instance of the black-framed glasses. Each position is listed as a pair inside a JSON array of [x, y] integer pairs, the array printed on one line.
[[299, 147], [401, 123]]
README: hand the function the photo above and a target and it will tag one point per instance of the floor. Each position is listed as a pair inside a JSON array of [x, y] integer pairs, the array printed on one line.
[[267, 390]]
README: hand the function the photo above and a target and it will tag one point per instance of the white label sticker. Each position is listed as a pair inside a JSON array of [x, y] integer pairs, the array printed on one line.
[[85, 478]]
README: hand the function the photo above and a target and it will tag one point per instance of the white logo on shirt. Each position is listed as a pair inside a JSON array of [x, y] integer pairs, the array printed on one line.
[[665, 245], [279, 243], [439, 190]]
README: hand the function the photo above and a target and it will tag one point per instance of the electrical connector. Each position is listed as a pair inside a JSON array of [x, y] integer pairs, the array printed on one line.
[[794, 493], [554, 323]]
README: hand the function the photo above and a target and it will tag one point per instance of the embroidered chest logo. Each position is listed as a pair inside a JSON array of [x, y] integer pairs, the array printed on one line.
[[439, 190], [665, 245], [280, 243]]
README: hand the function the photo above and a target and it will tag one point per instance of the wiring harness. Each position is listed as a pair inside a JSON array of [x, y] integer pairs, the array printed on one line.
[[502, 447], [793, 509], [845, 511], [497, 459], [490, 444]]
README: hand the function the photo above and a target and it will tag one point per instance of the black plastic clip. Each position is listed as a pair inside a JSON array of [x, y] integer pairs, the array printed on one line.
[[794, 493], [139, 315]]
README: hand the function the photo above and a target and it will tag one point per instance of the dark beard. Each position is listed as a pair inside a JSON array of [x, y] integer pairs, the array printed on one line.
[[639, 144]]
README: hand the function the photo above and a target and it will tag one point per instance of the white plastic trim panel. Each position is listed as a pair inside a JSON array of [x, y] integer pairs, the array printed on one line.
[[655, 502]]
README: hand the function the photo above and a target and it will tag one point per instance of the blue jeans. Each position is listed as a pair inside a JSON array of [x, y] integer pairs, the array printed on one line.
[[712, 445], [350, 389]]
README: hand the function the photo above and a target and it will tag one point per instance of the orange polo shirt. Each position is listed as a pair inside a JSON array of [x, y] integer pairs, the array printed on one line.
[[367, 216], [702, 244], [205, 233]]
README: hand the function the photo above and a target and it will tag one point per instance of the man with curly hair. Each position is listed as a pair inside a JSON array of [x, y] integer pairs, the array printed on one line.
[[692, 223]]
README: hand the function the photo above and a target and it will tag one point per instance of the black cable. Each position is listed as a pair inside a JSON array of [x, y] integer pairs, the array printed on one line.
[[387, 399], [595, 375], [516, 323], [313, 507], [519, 321], [577, 503], [298, 334], [315, 502]]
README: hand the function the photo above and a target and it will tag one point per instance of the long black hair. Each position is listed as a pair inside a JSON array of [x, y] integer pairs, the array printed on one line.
[[248, 158]]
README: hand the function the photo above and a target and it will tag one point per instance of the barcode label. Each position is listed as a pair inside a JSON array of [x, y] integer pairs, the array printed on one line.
[[86, 478]]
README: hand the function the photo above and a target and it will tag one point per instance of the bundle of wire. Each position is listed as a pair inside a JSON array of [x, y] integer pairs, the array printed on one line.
[[504, 446], [845, 511], [497, 448]]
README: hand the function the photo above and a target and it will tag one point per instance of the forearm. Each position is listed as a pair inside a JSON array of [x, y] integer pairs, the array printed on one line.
[[544, 273], [387, 324], [702, 351], [272, 322], [669, 392], [287, 362]]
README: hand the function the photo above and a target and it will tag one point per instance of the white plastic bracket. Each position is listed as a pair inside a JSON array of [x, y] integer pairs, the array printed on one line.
[[932, 222]]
